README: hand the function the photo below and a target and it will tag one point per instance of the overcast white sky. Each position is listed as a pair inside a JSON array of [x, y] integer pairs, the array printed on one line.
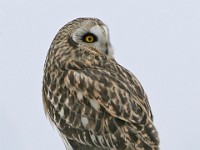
[[159, 41]]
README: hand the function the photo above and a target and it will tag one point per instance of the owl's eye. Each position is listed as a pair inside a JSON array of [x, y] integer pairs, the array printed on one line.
[[89, 38]]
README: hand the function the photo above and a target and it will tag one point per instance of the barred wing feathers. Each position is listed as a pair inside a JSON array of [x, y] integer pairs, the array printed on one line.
[[116, 94]]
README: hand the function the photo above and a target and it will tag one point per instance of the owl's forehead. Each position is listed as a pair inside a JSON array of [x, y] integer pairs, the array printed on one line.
[[84, 23], [91, 22], [90, 25], [88, 21]]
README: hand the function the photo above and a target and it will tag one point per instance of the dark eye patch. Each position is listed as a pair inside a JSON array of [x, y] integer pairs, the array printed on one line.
[[89, 38]]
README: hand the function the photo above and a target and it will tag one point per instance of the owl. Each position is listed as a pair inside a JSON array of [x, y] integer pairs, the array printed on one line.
[[94, 103]]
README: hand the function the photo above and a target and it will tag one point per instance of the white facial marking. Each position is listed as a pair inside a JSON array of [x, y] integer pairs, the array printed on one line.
[[105, 29], [110, 49], [97, 30], [101, 32], [102, 41]]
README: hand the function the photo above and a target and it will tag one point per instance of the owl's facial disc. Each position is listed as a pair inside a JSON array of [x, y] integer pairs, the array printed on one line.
[[95, 36]]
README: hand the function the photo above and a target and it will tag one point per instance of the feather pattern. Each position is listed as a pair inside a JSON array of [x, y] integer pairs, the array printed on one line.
[[93, 101]]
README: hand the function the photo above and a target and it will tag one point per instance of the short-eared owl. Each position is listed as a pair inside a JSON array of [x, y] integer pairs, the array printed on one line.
[[95, 103]]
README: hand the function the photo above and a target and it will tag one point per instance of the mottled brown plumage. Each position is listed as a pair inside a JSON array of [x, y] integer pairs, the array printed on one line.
[[95, 103]]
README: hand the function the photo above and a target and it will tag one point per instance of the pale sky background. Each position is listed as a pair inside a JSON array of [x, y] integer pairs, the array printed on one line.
[[158, 40]]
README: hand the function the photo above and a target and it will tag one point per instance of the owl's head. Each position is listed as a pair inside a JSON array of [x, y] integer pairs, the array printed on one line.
[[90, 32]]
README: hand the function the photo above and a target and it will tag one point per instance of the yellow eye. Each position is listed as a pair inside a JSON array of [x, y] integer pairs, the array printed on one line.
[[89, 38]]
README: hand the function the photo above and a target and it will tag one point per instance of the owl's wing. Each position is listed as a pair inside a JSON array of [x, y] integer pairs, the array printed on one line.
[[132, 84], [111, 90]]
